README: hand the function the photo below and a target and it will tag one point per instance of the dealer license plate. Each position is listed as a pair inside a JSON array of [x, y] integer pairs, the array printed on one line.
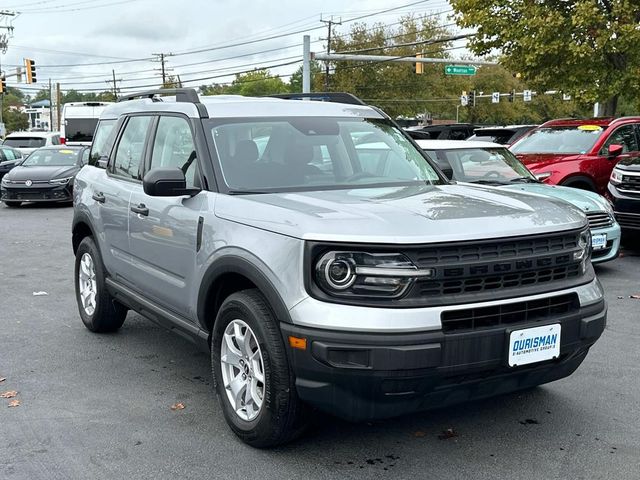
[[598, 242], [533, 345]]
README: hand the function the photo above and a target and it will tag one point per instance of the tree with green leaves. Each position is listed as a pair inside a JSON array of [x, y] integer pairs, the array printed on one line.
[[588, 48], [257, 83]]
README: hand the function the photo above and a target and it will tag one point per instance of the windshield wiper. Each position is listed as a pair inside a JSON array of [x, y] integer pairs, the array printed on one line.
[[487, 182], [524, 180]]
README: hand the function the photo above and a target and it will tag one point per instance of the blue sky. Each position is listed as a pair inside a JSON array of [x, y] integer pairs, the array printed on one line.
[[79, 33]]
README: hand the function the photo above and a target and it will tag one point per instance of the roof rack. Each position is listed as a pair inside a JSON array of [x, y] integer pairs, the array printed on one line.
[[186, 95], [333, 97]]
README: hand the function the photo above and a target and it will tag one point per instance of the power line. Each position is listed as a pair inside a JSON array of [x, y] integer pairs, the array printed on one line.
[[62, 9]]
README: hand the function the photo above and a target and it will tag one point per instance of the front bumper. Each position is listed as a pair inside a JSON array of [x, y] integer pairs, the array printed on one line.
[[626, 207], [360, 376], [612, 249], [37, 193]]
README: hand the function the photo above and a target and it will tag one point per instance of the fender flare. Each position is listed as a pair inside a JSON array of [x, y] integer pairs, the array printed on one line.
[[235, 264], [82, 217]]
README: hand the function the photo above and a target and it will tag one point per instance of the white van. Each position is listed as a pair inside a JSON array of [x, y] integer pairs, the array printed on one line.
[[79, 120]]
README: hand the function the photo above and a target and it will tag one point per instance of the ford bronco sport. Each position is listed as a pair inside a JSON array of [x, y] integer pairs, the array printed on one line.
[[321, 273]]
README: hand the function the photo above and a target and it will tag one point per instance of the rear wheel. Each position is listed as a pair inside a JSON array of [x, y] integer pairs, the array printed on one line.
[[12, 204], [253, 381], [100, 313]]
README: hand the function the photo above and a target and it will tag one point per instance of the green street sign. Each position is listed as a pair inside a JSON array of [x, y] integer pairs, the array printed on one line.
[[459, 70]]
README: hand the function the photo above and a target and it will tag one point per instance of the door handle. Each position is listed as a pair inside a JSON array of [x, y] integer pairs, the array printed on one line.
[[98, 197], [141, 209]]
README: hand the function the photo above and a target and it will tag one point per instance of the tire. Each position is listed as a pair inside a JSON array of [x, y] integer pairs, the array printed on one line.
[[107, 314], [281, 416], [12, 204]]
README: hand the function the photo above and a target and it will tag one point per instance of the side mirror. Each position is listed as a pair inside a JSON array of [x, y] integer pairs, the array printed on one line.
[[615, 150], [167, 182], [102, 162]]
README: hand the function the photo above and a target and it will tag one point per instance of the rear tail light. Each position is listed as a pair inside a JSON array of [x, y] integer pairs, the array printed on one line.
[[63, 141]]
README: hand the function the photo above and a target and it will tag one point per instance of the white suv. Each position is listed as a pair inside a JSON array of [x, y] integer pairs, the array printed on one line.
[[27, 142]]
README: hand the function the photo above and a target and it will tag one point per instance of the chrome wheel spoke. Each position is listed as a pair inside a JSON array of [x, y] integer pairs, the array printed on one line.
[[87, 284], [242, 370]]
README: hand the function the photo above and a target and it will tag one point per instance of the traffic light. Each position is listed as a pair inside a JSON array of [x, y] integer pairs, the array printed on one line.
[[30, 69], [3, 85], [419, 66], [471, 101]]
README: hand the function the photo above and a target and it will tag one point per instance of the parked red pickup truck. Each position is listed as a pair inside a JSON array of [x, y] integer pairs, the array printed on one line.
[[579, 153]]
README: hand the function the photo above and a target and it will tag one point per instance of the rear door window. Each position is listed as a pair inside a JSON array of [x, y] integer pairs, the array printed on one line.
[[130, 148]]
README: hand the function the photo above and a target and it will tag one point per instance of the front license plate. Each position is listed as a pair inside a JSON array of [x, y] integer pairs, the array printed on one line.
[[534, 345], [598, 242]]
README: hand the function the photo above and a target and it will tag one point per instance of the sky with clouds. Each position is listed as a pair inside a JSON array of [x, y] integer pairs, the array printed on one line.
[[79, 42]]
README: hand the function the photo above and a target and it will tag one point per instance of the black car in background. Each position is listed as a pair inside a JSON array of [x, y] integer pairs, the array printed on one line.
[[9, 158], [624, 193], [451, 131], [503, 135], [45, 176]]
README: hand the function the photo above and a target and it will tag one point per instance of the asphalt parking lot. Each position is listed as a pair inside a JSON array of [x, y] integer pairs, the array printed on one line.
[[98, 406]]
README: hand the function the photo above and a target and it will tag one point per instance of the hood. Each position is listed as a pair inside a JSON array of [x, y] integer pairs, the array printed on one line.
[[404, 215], [583, 199], [42, 173], [630, 164], [538, 161], [25, 151]]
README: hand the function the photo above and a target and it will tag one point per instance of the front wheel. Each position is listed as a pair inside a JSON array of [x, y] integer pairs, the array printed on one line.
[[100, 313], [253, 381]]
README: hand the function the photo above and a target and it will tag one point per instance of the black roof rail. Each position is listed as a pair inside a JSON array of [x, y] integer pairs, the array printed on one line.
[[333, 97], [186, 95]]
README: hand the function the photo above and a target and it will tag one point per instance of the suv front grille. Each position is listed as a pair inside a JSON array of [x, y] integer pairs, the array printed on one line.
[[509, 314], [599, 220], [485, 266], [628, 220], [629, 183]]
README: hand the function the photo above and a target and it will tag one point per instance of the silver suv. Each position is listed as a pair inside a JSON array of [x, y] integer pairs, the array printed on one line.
[[324, 260]]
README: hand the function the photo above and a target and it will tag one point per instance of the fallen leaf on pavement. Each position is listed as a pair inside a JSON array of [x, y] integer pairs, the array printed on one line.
[[14, 403], [636, 296], [40, 294], [9, 394], [2, 379], [419, 434], [448, 433], [177, 406]]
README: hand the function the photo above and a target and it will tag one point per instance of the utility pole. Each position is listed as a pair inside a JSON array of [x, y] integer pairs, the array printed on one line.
[[6, 32], [114, 85], [50, 108], [58, 106], [330, 23], [162, 58], [306, 64]]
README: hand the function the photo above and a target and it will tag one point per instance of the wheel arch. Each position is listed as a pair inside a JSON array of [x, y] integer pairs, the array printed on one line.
[[580, 181], [81, 228], [230, 274]]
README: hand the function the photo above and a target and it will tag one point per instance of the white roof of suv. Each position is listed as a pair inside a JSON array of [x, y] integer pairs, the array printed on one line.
[[33, 134]]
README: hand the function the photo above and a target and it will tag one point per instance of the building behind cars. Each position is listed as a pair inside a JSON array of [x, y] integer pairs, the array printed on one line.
[[79, 120]]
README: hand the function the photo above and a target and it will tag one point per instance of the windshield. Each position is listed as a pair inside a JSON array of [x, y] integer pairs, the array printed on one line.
[[317, 153], [79, 129], [50, 157], [481, 165], [578, 140], [25, 142]]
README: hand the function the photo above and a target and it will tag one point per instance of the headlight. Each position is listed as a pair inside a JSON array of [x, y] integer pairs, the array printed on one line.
[[584, 249], [5, 181], [361, 274], [608, 207], [616, 177], [543, 175], [60, 181]]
